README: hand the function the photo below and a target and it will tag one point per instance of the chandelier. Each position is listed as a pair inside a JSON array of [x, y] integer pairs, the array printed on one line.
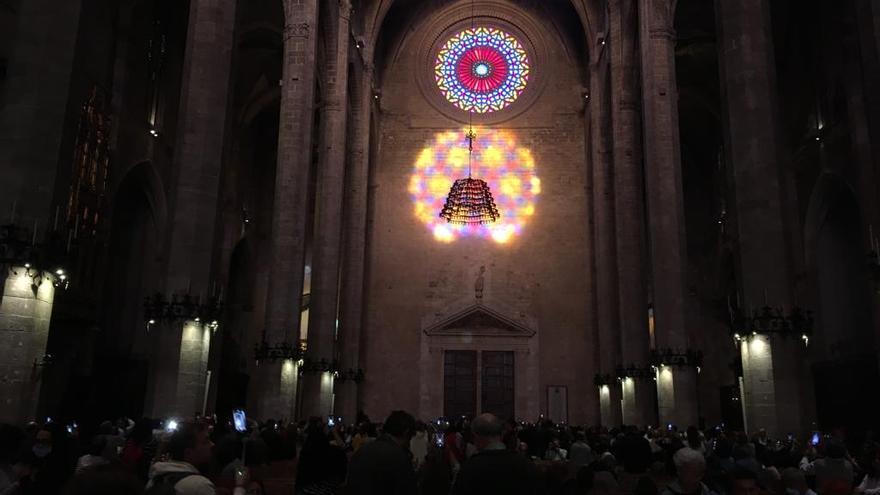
[[470, 200]]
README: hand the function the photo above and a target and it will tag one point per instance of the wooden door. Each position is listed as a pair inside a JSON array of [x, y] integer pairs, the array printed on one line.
[[459, 383], [498, 386]]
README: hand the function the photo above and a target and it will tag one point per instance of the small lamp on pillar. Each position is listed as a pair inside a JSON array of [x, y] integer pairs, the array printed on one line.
[[797, 323], [158, 308]]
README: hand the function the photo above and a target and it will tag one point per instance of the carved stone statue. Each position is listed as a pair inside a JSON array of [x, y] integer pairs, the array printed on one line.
[[478, 284]]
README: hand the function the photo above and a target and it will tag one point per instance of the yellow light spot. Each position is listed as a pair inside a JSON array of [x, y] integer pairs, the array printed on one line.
[[492, 157], [443, 233], [457, 158], [536, 185], [423, 213], [415, 185], [438, 186], [511, 185], [426, 157], [528, 210], [502, 234], [524, 156]]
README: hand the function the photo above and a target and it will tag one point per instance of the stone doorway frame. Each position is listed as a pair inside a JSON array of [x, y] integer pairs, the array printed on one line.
[[479, 327]]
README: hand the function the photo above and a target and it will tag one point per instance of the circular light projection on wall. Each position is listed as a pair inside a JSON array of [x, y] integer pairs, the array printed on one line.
[[506, 166], [482, 70]]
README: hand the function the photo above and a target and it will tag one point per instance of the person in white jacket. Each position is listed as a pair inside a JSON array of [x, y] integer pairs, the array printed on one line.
[[188, 447]]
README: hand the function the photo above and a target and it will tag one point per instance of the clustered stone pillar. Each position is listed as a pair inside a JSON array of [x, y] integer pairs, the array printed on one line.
[[276, 381], [25, 311], [773, 397], [354, 252], [180, 348], [638, 391], [32, 121], [317, 387], [604, 234], [676, 385]]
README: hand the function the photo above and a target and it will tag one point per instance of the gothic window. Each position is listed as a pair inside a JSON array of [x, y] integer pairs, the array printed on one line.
[[88, 184]]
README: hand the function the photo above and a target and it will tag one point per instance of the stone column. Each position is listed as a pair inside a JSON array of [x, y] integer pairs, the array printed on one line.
[[25, 311], [354, 251], [179, 346], [638, 402], [275, 383], [601, 158], [676, 386], [772, 376], [33, 106], [317, 395]]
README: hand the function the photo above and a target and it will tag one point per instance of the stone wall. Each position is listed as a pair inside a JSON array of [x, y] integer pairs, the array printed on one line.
[[542, 273]]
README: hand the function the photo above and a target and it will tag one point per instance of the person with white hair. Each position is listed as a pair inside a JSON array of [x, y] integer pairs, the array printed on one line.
[[690, 466]]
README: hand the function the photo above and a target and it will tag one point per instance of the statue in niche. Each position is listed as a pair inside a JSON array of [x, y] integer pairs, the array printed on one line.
[[479, 283]]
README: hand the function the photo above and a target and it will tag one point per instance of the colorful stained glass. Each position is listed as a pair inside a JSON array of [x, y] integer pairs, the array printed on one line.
[[507, 167], [482, 70]]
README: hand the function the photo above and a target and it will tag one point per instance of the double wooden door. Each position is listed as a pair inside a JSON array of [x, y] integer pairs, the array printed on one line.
[[495, 380]]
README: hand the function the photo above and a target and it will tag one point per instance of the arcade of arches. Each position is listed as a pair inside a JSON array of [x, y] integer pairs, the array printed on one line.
[[218, 204]]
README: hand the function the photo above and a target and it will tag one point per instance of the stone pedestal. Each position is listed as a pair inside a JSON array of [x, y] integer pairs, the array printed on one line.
[[277, 381], [25, 312], [676, 390], [317, 397], [179, 369], [609, 405], [636, 395]]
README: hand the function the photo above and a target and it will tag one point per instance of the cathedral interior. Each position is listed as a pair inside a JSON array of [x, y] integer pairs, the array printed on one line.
[[596, 211]]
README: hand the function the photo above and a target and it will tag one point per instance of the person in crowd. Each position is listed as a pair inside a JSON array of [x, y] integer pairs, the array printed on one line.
[[94, 454], [113, 439], [834, 472], [135, 456], [454, 447], [435, 475], [744, 481], [11, 439], [105, 479], [795, 482], [633, 451], [189, 448], [580, 454], [604, 483], [555, 452], [50, 464], [870, 484], [419, 445], [322, 466], [690, 466], [494, 469], [695, 440], [384, 466]]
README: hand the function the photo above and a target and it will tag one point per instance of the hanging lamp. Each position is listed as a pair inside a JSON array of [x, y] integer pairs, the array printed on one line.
[[470, 200]]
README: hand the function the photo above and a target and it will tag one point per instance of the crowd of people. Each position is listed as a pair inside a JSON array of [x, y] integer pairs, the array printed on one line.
[[481, 455]]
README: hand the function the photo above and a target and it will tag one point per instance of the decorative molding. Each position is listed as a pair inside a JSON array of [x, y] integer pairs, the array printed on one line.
[[479, 320], [297, 30]]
